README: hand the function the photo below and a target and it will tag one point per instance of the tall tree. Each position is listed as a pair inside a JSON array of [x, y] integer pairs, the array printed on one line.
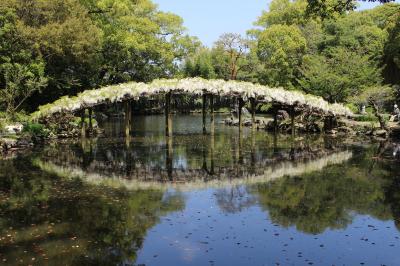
[[333, 8], [230, 52], [338, 74], [21, 70], [280, 49]]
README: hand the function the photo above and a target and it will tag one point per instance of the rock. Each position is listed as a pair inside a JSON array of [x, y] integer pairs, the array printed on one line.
[[380, 133], [14, 129], [331, 132], [7, 144], [23, 143], [247, 123], [282, 115], [344, 129]]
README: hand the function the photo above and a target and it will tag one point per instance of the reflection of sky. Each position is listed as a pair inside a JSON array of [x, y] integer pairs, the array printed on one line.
[[202, 234], [208, 19]]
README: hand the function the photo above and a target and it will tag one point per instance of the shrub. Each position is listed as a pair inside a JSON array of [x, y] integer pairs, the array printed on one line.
[[36, 131], [369, 117], [353, 107]]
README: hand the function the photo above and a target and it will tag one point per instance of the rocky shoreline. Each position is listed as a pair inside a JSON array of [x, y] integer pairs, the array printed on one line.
[[343, 127]]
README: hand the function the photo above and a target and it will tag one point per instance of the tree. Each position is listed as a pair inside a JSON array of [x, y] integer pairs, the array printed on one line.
[[229, 54], [392, 51], [57, 32], [338, 74], [141, 43], [280, 49], [285, 12], [20, 82], [333, 8], [21, 71], [200, 65], [377, 97]]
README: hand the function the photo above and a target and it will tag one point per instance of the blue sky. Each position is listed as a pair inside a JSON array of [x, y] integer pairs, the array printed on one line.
[[208, 19]]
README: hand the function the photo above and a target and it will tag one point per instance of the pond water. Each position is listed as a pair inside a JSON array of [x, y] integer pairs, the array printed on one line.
[[192, 199]]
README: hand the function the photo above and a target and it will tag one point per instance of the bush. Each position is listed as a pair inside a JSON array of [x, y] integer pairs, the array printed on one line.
[[36, 131], [370, 118], [353, 107], [76, 121]]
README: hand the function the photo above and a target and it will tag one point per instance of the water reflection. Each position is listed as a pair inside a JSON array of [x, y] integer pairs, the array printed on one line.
[[192, 198], [48, 219], [187, 158]]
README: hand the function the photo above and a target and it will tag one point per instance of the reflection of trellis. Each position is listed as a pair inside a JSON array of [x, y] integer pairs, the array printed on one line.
[[195, 178]]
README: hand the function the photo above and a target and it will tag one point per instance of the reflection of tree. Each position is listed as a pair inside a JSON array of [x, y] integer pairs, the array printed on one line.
[[74, 222], [322, 200], [234, 199]]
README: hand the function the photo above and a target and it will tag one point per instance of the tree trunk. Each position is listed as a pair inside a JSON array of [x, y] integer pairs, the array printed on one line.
[[380, 117]]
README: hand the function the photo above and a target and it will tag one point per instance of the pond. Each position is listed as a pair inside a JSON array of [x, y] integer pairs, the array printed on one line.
[[226, 198]]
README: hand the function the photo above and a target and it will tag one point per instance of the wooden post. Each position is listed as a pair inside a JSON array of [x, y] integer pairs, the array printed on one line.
[[253, 113], [83, 124], [168, 122], [292, 116], [128, 117], [204, 112]]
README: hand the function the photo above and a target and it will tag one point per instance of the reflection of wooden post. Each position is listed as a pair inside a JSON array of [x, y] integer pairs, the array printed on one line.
[[253, 150], [169, 155], [83, 124], [204, 113], [90, 120], [212, 152], [212, 131], [275, 120], [128, 118], [292, 116], [253, 113], [212, 118], [168, 122], [241, 104]]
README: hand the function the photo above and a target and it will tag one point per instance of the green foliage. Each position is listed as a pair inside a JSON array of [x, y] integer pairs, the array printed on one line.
[[333, 8], [353, 107], [338, 75], [377, 95], [231, 58], [51, 48], [330, 53], [281, 48], [392, 50], [264, 107], [200, 65], [21, 71], [36, 131], [285, 12]]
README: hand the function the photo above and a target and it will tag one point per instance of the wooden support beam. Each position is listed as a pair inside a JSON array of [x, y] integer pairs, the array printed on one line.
[[83, 124], [204, 112], [253, 113], [128, 118], [168, 121]]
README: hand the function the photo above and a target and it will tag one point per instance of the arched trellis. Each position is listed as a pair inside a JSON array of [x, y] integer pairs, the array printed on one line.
[[243, 91]]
